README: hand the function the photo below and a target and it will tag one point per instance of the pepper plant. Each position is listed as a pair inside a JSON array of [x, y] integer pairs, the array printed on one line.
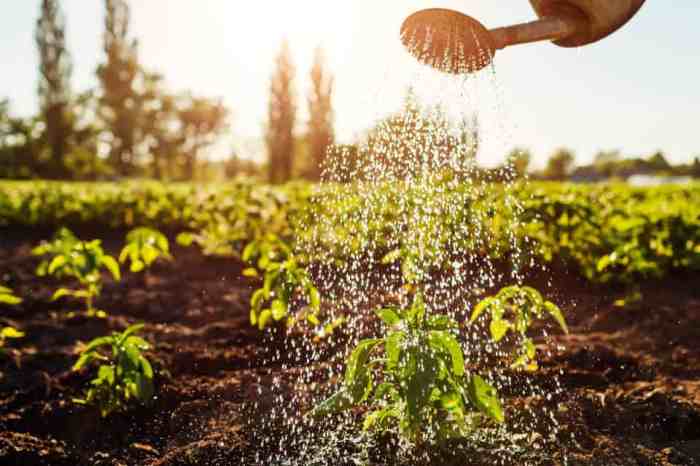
[[124, 374], [62, 244], [513, 311], [414, 377], [84, 262], [286, 285], [143, 247]]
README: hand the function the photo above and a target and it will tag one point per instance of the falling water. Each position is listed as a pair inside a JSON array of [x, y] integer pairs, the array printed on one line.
[[413, 187]]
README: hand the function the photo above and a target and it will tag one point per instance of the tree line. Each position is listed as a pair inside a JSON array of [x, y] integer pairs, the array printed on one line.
[[132, 125]]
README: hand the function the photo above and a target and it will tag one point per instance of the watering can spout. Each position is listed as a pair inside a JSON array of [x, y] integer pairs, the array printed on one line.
[[456, 43]]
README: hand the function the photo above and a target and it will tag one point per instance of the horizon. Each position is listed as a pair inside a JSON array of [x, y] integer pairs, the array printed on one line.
[[658, 103]]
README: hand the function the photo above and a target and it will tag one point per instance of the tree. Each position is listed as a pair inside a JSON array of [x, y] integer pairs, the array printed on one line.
[[201, 121], [658, 163], [19, 144], [607, 163], [559, 165], [519, 159], [120, 102], [281, 118], [54, 85], [161, 126], [320, 132]]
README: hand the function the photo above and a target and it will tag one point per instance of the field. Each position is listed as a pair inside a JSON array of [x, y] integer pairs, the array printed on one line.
[[623, 265]]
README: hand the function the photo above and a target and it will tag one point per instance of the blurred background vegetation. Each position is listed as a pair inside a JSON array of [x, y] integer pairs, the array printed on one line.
[[132, 126]]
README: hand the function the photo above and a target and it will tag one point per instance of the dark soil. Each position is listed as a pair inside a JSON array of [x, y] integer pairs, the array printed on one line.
[[630, 377]]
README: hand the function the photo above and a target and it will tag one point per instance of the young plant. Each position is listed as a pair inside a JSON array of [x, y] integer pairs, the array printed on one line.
[[414, 377], [84, 262], [512, 311], [62, 244], [8, 297], [124, 374], [143, 247], [286, 283]]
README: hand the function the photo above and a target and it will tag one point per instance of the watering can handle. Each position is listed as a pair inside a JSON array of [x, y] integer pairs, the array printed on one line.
[[600, 17]]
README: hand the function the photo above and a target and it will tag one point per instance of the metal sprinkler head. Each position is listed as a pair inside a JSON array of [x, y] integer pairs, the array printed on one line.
[[453, 42]]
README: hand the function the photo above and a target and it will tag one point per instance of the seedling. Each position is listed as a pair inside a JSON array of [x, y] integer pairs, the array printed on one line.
[[285, 283], [124, 374], [143, 247], [8, 297], [512, 311], [415, 377], [63, 242], [84, 262]]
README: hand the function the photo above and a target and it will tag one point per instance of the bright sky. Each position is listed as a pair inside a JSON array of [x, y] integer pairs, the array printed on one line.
[[637, 91]]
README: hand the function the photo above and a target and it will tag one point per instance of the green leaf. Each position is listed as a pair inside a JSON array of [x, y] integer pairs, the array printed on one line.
[[556, 313], [485, 398], [389, 316], [250, 272], [131, 330], [441, 322], [10, 332], [314, 298], [279, 309], [340, 401], [185, 239], [449, 343], [9, 298], [137, 266], [112, 266], [60, 293], [56, 263], [257, 299], [451, 402], [417, 311], [313, 319], [126, 252], [391, 257], [481, 307], [249, 251], [499, 328], [358, 358], [392, 348], [97, 342], [264, 318]]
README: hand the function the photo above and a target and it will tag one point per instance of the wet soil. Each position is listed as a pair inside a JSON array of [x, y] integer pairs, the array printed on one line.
[[630, 377]]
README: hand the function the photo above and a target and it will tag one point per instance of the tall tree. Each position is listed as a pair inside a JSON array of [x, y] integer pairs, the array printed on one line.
[[202, 120], [519, 160], [281, 118], [120, 102], [54, 84], [560, 164], [321, 133]]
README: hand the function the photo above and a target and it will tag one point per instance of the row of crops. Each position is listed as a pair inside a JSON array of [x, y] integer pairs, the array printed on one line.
[[415, 370], [611, 233]]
